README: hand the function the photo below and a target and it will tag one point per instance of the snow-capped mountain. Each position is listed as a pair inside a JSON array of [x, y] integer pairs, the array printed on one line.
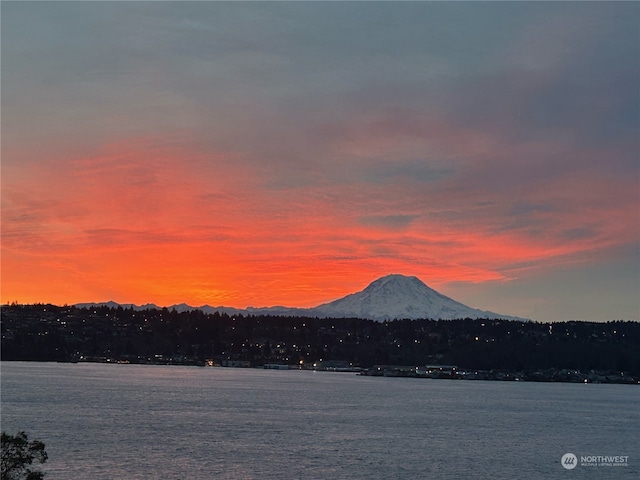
[[388, 298], [399, 296]]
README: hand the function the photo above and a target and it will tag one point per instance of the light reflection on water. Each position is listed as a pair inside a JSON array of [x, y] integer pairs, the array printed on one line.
[[169, 422]]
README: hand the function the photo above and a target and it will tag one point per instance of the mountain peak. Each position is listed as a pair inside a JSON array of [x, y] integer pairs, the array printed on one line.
[[396, 280], [400, 296]]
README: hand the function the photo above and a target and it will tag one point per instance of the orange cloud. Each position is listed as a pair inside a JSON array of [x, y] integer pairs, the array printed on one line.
[[147, 220]]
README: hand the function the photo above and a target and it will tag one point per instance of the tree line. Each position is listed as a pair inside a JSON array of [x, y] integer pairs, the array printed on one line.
[[67, 333]]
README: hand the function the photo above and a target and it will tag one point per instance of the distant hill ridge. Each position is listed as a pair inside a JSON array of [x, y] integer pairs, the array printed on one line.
[[391, 297]]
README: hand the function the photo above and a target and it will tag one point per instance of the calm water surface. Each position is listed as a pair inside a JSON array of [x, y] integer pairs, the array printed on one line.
[[167, 422]]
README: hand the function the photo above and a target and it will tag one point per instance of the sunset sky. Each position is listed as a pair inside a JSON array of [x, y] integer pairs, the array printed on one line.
[[253, 154]]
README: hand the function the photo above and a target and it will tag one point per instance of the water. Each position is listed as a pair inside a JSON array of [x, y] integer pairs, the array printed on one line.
[[102, 421]]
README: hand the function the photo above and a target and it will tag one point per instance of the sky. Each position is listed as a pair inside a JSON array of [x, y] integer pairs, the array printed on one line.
[[289, 153]]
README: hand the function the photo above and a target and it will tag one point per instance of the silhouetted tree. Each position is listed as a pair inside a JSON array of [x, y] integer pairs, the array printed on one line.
[[18, 453]]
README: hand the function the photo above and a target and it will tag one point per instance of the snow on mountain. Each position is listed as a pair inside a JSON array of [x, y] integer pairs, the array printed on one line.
[[388, 298], [399, 296]]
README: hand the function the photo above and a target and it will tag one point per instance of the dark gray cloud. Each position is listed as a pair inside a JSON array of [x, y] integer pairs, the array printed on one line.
[[394, 222]]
